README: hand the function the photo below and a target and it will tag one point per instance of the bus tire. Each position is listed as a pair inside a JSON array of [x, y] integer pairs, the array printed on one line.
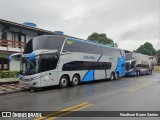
[[116, 76], [135, 74], [64, 81], [75, 80], [112, 76], [150, 72], [138, 73]]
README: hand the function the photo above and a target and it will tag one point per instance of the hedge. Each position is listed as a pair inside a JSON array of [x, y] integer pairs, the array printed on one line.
[[9, 74]]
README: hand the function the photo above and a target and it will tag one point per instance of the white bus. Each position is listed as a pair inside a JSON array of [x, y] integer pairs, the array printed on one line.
[[59, 60], [138, 64]]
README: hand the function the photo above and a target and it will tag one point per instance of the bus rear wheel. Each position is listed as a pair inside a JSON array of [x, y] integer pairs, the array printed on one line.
[[75, 80], [64, 81], [137, 73], [116, 76], [150, 72], [112, 76]]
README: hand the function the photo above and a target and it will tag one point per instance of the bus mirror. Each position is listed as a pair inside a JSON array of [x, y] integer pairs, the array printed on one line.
[[10, 58], [15, 54], [31, 56]]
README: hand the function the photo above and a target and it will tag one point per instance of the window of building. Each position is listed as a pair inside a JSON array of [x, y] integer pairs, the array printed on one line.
[[14, 39], [17, 38], [4, 64], [4, 38]]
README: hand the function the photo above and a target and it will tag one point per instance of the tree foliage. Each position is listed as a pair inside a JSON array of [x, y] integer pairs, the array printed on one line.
[[158, 55], [147, 49], [100, 38]]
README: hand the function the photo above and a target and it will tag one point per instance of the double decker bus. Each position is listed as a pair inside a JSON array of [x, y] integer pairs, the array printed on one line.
[[138, 64], [60, 60]]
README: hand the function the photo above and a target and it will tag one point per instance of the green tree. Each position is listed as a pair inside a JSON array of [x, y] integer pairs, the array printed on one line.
[[100, 38], [158, 56], [147, 49]]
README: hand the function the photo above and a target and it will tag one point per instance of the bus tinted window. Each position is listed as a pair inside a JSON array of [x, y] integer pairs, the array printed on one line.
[[76, 65], [73, 45], [85, 65], [133, 63], [127, 65], [29, 47], [49, 62], [48, 42], [101, 65], [143, 65]]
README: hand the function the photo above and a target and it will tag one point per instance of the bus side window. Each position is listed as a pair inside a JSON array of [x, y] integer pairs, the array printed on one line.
[[48, 62]]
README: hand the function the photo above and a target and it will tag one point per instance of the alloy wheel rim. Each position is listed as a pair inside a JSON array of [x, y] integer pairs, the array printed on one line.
[[75, 80], [64, 82]]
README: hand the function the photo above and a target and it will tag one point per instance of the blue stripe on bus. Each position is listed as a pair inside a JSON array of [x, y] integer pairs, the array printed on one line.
[[89, 76], [31, 56]]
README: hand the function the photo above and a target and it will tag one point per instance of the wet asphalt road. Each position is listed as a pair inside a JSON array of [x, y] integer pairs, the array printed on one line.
[[127, 94]]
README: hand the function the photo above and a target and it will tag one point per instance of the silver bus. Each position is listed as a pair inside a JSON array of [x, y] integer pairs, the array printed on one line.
[[60, 60], [138, 64]]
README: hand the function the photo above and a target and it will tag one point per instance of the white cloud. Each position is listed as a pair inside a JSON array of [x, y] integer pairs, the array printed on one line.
[[130, 22]]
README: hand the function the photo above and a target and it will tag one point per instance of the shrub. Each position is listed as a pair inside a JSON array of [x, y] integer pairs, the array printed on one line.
[[9, 74]]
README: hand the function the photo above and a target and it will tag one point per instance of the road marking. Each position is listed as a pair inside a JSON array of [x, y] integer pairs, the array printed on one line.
[[69, 112], [64, 110], [141, 86]]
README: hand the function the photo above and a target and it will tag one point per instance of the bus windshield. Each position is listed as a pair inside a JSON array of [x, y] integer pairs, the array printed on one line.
[[127, 65], [41, 63], [28, 67]]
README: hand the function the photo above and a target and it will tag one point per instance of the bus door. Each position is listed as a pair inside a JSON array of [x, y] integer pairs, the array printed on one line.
[[48, 64], [121, 66]]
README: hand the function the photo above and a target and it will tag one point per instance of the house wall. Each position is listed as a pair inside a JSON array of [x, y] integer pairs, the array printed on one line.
[[29, 34], [14, 65]]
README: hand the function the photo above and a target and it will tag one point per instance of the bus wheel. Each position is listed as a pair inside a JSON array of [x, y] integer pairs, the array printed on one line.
[[116, 76], [150, 72], [137, 73], [112, 76], [64, 81], [75, 80]]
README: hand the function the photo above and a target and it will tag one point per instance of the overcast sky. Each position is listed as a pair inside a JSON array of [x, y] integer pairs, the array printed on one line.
[[129, 23]]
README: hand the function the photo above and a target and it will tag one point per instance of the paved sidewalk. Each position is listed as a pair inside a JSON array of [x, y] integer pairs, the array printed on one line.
[[10, 85], [8, 81], [10, 88]]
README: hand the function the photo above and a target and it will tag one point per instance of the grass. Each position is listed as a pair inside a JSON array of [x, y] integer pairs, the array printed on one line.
[[157, 68]]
